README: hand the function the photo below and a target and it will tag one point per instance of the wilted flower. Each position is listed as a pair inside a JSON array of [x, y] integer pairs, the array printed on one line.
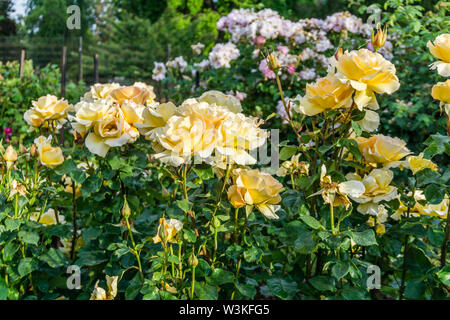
[[325, 94], [109, 294], [439, 210], [368, 73], [252, 187], [337, 194], [379, 39], [167, 230], [440, 49], [418, 163], [377, 188], [379, 219], [382, 149], [294, 166]]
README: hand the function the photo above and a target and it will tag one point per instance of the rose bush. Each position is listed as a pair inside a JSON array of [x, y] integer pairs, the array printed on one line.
[[158, 199]]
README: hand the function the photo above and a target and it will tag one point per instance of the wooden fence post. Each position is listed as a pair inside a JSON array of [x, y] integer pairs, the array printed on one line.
[[80, 59], [22, 62], [63, 72], [96, 78]]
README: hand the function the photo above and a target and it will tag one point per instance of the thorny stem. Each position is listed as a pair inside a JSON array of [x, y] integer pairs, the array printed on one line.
[[135, 252], [445, 241], [75, 227]]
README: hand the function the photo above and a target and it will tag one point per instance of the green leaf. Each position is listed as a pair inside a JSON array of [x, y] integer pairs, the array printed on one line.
[[323, 283], [340, 269], [246, 290], [189, 235], [27, 265], [311, 222], [78, 176], [29, 237], [444, 275], [204, 172], [282, 289], [357, 128], [287, 152], [365, 238], [54, 258], [3, 289], [434, 193], [184, 205], [253, 254], [352, 293], [205, 291], [219, 277], [12, 224], [91, 185]]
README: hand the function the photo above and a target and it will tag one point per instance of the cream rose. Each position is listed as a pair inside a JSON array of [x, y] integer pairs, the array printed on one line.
[[370, 122], [325, 94], [155, 116], [193, 132], [47, 108], [100, 91], [111, 130], [368, 73], [138, 95], [440, 49], [377, 188], [221, 99], [252, 187], [382, 149]]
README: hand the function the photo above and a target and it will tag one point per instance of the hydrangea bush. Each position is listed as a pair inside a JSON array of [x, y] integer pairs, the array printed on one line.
[[128, 195]]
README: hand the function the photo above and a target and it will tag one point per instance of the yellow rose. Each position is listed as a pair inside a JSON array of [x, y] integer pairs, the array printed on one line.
[[47, 108], [368, 73], [111, 130], [155, 117], [377, 188], [325, 94], [48, 156], [109, 294], [193, 132], [238, 135], [137, 95], [48, 218], [440, 49], [100, 91], [252, 187], [414, 211], [221, 99], [441, 92], [418, 163], [150, 89], [69, 187], [382, 149], [167, 230], [439, 210], [86, 113]]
